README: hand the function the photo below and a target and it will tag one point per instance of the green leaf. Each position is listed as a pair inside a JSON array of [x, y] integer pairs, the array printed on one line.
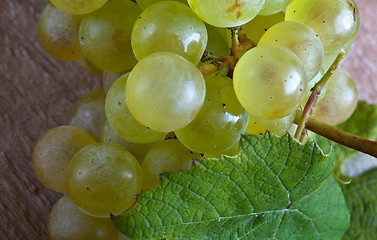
[[267, 191], [361, 198], [363, 123]]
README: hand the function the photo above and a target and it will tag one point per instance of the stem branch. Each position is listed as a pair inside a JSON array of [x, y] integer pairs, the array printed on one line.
[[339, 136], [316, 91]]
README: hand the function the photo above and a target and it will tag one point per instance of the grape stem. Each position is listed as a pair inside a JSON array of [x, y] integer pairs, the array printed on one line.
[[312, 101], [339, 136]]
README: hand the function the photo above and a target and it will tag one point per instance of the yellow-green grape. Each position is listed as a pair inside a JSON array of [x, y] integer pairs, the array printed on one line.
[[335, 21], [165, 92], [138, 150], [270, 81], [78, 6], [226, 13], [53, 153], [168, 155], [340, 99], [105, 35], [300, 39], [216, 44], [146, 3], [232, 151], [220, 122], [329, 59], [58, 33], [279, 127], [88, 66], [273, 6], [260, 24], [108, 78], [103, 179], [169, 26], [121, 119], [68, 222], [88, 113]]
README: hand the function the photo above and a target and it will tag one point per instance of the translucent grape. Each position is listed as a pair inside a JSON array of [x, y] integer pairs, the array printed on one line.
[[260, 24], [216, 44], [226, 13], [165, 92], [300, 39], [146, 3], [53, 153], [138, 150], [335, 21], [169, 26], [88, 113], [58, 33], [105, 35], [232, 151], [220, 122], [279, 127], [67, 221], [270, 81], [78, 6], [121, 119], [103, 179], [340, 99], [273, 6], [168, 155]]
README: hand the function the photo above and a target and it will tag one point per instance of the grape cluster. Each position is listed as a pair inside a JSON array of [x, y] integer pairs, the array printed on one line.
[[181, 80]]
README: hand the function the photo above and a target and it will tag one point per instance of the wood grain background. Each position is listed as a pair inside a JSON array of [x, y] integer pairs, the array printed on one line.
[[37, 93]]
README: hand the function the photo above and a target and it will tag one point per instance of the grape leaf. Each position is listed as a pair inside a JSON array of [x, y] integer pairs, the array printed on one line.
[[363, 123], [267, 191], [361, 198]]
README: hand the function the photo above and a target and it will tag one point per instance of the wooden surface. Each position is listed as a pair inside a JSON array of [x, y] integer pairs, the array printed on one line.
[[37, 93]]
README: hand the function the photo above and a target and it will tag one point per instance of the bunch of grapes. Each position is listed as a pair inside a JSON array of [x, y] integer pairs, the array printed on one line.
[[181, 80]]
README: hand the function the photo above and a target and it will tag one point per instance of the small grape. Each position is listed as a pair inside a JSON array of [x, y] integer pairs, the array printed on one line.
[[168, 155], [103, 179], [67, 221], [78, 6], [165, 92], [270, 81], [53, 153]]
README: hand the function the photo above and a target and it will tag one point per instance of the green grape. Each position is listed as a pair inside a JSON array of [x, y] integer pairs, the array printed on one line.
[[260, 24], [88, 66], [329, 59], [273, 6], [340, 99], [169, 26], [138, 150], [105, 35], [279, 127], [226, 13], [168, 155], [78, 6], [220, 122], [53, 153], [300, 39], [88, 113], [108, 78], [103, 179], [216, 44], [121, 119], [232, 151], [335, 21], [58, 33], [68, 222], [165, 92], [146, 3], [270, 81]]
